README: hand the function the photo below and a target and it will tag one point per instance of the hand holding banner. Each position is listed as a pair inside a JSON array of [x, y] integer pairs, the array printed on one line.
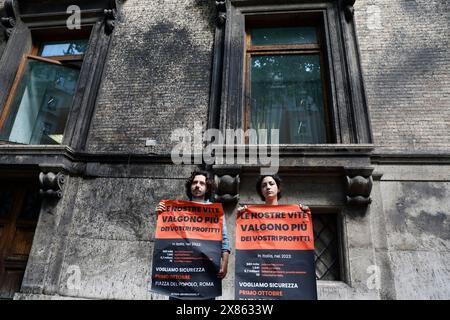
[[187, 250], [275, 253]]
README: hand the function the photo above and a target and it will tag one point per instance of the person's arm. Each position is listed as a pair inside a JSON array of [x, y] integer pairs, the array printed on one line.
[[223, 265], [226, 249]]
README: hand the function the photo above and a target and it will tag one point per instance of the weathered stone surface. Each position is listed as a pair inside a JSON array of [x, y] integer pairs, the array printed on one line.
[[48, 243], [310, 191], [380, 243], [358, 231], [121, 209], [414, 172], [360, 262], [157, 75], [2, 33], [383, 270], [155, 171], [405, 58], [157, 78], [227, 288], [107, 269], [21, 296], [335, 290], [421, 274], [417, 215]]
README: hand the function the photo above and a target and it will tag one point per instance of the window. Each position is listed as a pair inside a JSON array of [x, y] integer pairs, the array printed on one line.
[[285, 77], [50, 75], [37, 109], [327, 247], [292, 66]]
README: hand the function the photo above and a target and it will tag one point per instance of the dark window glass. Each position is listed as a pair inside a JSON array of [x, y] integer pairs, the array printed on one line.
[[285, 86], [274, 36], [74, 47], [326, 243], [287, 94]]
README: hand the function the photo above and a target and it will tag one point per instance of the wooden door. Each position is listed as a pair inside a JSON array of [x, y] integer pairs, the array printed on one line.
[[19, 212]]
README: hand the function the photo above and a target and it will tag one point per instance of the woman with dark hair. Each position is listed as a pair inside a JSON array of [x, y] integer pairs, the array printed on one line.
[[260, 243], [268, 188]]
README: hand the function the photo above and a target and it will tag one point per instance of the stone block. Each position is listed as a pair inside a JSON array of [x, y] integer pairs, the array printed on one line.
[[417, 215], [422, 275], [121, 209], [106, 269]]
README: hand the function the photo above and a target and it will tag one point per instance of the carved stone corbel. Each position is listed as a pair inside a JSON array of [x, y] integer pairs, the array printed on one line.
[[349, 10], [51, 185], [9, 21], [110, 20], [221, 12], [359, 186], [227, 188]]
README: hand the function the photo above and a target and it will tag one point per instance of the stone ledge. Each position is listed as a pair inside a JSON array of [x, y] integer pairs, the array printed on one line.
[[32, 296], [338, 290]]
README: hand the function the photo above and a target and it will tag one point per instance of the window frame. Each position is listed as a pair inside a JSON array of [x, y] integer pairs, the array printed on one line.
[[349, 114], [38, 21], [286, 49], [340, 240], [38, 38]]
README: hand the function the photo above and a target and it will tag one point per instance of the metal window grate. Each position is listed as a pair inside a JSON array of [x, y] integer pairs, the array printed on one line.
[[326, 242]]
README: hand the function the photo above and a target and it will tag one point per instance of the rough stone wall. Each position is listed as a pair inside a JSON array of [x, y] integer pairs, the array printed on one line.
[[103, 229], [157, 76], [111, 237], [405, 59], [98, 241], [417, 228], [158, 73], [2, 42]]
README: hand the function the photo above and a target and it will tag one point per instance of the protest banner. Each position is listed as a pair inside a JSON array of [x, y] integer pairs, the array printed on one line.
[[187, 251], [275, 253]]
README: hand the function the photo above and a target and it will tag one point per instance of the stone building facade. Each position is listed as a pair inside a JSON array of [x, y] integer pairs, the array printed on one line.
[[382, 181]]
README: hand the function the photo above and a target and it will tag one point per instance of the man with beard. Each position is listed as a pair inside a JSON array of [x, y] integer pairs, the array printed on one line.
[[199, 188]]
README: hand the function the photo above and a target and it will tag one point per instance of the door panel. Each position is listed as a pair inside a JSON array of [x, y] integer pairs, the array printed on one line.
[[6, 198], [19, 212], [12, 280], [21, 244]]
